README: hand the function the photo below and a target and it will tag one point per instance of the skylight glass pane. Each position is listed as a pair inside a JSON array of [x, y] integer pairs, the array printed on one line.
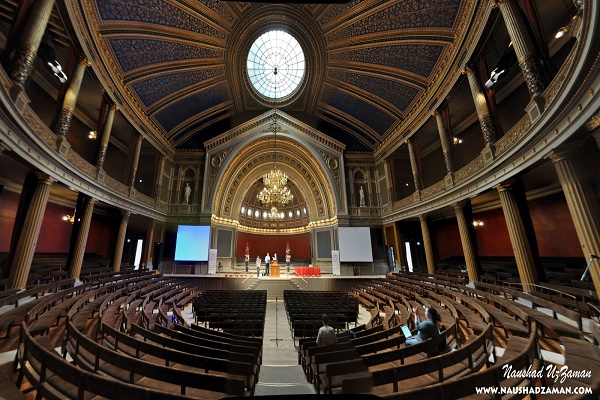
[[275, 64]]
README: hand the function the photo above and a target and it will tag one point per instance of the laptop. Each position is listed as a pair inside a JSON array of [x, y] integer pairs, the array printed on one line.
[[406, 331]]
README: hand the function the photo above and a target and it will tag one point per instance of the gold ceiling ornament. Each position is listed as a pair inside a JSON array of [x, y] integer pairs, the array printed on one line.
[[275, 190]]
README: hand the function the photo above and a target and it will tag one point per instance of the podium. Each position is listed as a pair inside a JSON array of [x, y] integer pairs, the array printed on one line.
[[275, 270]]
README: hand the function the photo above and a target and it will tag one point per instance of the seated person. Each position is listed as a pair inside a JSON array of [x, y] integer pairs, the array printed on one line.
[[326, 335], [428, 329]]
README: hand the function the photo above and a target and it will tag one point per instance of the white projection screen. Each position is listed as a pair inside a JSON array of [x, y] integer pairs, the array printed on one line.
[[192, 243], [355, 244]]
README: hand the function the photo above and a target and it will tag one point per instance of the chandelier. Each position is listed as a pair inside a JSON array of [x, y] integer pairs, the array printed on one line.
[[275, 190], [274, 214]]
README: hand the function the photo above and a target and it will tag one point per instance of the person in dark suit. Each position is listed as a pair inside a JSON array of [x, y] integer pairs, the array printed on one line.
[[267, 265]]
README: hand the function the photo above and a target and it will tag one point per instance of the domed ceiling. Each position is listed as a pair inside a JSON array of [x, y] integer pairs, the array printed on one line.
[[180, 64]]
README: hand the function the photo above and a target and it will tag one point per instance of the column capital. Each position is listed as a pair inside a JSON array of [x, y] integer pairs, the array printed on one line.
[[564, 153], [436, 112], [83, 60], [125, 213], [459, 205], [44, 178], [114, 107], [505, 186], [423, 217], [468, 69]]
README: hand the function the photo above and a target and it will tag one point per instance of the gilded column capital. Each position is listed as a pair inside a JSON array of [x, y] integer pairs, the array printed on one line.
[[83, 61], [423, 217], [468, 69], [114, 107]]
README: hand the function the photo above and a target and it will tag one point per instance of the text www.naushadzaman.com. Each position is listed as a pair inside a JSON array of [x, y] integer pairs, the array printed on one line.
[[538, 390]]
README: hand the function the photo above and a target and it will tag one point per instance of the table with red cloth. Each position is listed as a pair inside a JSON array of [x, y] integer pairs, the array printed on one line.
[[308, 271]]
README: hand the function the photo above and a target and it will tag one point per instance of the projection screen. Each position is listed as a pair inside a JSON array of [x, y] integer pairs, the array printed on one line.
[[192, 243], [355, 244]]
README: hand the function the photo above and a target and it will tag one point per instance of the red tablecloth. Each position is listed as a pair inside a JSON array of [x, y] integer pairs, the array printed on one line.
[[308, 271]]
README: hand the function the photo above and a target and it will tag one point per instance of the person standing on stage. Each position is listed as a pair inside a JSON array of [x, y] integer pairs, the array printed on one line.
[[257, 266], [267, 264], [247, 256]]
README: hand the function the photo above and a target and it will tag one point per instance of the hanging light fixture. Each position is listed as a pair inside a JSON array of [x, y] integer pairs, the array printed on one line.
[[275, 189]]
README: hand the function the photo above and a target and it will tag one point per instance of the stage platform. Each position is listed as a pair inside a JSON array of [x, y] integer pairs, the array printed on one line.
[[273, 285]]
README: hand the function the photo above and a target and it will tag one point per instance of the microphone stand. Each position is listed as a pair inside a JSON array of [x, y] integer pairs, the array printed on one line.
[[586, 273], [276, 340]]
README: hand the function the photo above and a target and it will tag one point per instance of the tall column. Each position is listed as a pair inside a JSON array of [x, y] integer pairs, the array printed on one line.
[[25, 249], [389, 180], [445, 141], [467, 242], [160, 170], [523, 45], [135, 160], [414, 165], [23, 59], [483, 113], [105, 137], [76, 260], [351, 184], [70, 99], [583, 206], [518, 236], [427, 244], [118, 254]]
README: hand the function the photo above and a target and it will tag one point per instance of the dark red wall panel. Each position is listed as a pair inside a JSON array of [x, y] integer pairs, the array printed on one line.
[[261, 244]]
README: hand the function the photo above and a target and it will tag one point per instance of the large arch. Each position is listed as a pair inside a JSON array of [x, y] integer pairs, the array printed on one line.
[[313, 168]]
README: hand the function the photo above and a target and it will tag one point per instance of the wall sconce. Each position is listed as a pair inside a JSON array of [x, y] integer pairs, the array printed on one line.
[[70, 218], [456, 140], [477, 223], [561, 32], [93, 135]]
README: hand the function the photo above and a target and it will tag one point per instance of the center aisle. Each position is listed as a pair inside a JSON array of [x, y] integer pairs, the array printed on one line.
[[280, 372]]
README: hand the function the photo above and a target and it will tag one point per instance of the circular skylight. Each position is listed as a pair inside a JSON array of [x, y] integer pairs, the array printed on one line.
[[275, 64]]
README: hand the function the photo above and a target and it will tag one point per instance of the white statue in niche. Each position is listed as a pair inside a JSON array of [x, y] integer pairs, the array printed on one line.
[[361, 193], [186, 193]]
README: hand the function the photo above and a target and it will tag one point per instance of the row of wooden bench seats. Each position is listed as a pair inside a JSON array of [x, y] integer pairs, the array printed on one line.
[[46, 313], [525, 356], [214, 359], [551, 322], [137, 299], [178, 359], [98, 358], [579, 354], [525, 313], [54, 378], [332, 364], [477, 312]]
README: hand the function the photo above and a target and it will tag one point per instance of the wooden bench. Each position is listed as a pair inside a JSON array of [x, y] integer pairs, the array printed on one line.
[[100, 359], [157, 354]]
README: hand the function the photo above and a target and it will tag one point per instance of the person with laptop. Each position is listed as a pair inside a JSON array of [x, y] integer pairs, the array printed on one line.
[[427, 328]]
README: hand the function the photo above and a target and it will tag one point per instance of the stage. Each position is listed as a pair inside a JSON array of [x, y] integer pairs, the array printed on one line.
[[273, 285]]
